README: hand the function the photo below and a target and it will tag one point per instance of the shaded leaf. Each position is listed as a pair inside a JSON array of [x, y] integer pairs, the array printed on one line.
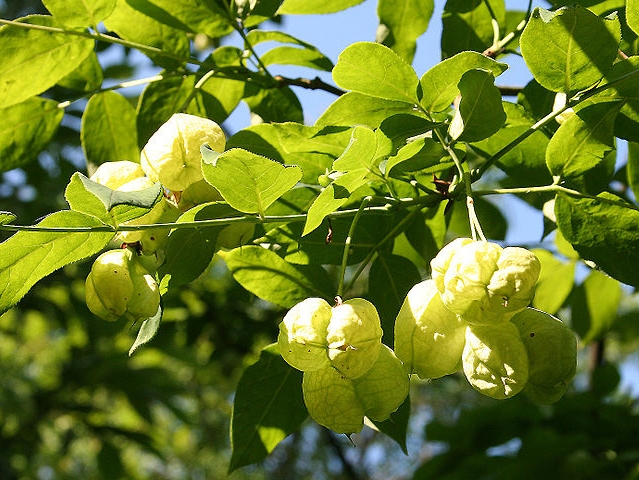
[[396, 427], [274, 105], [604, 233], [268, 406], [555, 282], [148, 330], [26, 129]]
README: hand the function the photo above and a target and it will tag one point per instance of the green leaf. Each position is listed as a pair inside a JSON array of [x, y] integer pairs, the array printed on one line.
[[401, 23], [108, 131], [373, 69], [569, 49], [286, 55], [420, 154], [6, 217], [333, 197], [110, 206], [41, 57], [354, 108], [248, 182], [26, 129], [266, 275], [604, 233], [583, 140], [148, 330], [632, 168], [440, 83], [389, 280], [254, 12], [632, 15], [313, 149], [314, 249], [493, 222], [80, 13], [308, 56], [218, 96], [480, 112], [189, 250], [525, 164], [158, 102], [192, 16], [595, 306], [274, 105], [309, 7], [555, 282], [396, 427], [27, 257], [268, 406], [86, 78], [467, 25], [134, 25], [359, 153], [624, 78]]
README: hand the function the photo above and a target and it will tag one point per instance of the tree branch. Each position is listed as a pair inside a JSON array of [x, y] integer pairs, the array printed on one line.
[[311, 84]]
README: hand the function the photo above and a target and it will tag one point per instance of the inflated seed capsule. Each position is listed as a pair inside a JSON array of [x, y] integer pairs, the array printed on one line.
[[429, 338], [302, 336], [552, 354], [331, 400], [172, 155], [494, 359], [354, 337]]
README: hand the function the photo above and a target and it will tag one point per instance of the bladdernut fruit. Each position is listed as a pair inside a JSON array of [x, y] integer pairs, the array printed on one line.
[[429, 338], [354, 337], [483, 282], [302, 337], [552, 354], [116, 174], [494, 360], [172, 155], [120, 286]]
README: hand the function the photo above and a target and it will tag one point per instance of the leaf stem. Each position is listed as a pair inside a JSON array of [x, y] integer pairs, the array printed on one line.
[[104, 38], [347, 244]]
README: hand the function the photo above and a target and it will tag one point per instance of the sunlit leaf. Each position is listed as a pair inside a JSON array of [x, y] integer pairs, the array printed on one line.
[[375, 70], [401, 23], [249, 182], [148, 330], [80, 13], [108, 130], [27, 257], [271, 278], [569, 49], [48, 58], [307, 7]]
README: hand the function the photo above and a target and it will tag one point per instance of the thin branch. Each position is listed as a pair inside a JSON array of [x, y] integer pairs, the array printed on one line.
[[311, 84]]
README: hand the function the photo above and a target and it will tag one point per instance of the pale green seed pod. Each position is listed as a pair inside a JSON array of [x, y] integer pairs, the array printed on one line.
[[429, 338], [198, 193], [116, 174], [552, 354], [384, 387], [331, 400], [172, 155], [512, 286], [302, 337], [469, 272], [440, 263], [119, 286], [495, 361], [354, 337]]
